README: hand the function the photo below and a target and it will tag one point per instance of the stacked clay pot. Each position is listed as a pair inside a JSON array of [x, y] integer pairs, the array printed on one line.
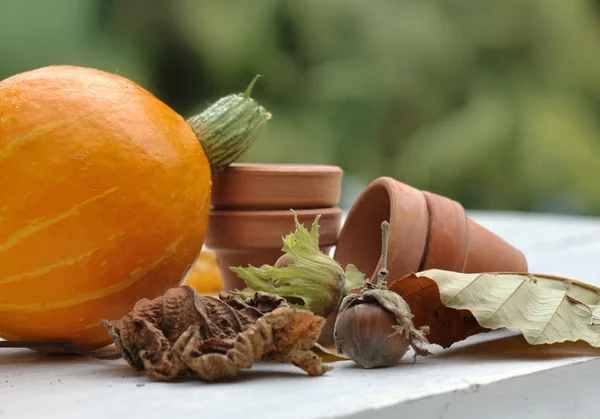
[[250, 212]]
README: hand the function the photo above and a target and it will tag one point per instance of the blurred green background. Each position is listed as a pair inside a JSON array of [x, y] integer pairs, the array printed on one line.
[[494, 103]]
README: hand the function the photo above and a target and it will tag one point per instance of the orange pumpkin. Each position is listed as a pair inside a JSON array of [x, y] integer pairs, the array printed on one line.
[[104, 199], [205, 276]]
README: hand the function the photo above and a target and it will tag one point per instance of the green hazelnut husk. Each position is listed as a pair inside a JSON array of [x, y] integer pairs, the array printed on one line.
[[308, 278]]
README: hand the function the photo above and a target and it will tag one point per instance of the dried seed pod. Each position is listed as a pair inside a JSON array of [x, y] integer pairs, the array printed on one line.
[[375, 328], [183, 333]]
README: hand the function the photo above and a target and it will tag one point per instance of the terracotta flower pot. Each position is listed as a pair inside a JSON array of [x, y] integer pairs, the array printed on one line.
[[448, 229], [427, 231], [489, 253], [251, 211], [360, 239], [276, 186], [240, 238]]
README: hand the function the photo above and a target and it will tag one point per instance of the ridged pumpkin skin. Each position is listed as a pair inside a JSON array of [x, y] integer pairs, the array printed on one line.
[[104, 199]]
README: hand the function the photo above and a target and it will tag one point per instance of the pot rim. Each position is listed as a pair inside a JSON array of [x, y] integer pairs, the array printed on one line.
[[275, 213], [257, 186], [281, 168], [448, 237], [408, 216], [229, 229]]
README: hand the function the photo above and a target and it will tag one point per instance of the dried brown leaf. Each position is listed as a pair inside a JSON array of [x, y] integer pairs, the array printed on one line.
[[546, 309], [328, 354], [446, 325]]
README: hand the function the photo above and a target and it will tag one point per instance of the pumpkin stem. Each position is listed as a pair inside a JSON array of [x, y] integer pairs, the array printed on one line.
[[251, 86], [61, 345], [228, 127]]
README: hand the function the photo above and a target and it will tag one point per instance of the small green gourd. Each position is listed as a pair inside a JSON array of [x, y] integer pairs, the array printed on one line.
[[228, 127]]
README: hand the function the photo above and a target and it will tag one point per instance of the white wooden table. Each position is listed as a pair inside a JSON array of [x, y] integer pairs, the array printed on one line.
[[494, 375]]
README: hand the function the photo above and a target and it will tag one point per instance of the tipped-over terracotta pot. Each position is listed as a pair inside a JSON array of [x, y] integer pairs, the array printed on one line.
[[242, 238], [276, 186], [427, 231]]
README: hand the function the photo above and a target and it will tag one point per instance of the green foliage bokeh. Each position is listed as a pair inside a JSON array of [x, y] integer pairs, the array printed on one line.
[[493, 103]]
